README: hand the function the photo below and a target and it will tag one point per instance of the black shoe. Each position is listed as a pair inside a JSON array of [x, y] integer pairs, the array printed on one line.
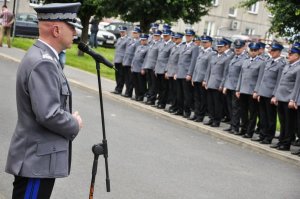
[[275, 146], [116, 92], [192, 118], [150, 102], [215, 124], [247, 136], [284, 148], [178, 113], [296, 143], [257, 139], [227, 129], [295, 152], [161, 106], [225, 120], [209, 122], [172, 110], [265, 141], [198, 119], [240, 133], [127, 95], [186, 114], [234, 131], [140, 98]]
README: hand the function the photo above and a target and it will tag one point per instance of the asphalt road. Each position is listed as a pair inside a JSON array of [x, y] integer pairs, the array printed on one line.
[[152, 158]]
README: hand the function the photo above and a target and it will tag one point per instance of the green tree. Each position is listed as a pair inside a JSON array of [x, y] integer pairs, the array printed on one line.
[[148, 11], [285, 21]]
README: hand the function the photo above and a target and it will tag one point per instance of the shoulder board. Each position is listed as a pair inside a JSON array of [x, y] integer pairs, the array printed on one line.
[[47, 56]]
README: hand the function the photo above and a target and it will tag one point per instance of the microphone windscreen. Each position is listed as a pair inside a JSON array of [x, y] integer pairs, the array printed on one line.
[[83, 47]]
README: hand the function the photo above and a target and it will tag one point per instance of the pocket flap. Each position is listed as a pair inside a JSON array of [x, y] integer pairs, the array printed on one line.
[[50, 147]]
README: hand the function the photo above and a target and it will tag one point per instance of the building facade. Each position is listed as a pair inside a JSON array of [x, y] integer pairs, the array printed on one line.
[[226, 18]]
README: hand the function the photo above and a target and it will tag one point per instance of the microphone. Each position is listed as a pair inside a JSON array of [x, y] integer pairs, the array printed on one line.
[[97, 57]]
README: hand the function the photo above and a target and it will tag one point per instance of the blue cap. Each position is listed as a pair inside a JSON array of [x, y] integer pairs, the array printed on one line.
[[66, 12], [239, 43], [205, 38], [178, 35], [172, 33], [254, 45], [197, 38], [144, 36], [227, 41], [276, 46], [154, 25], [166, 26], [166, 32], [262, 45], [157, 32], [189, 32], [221, 42], [295, 48], [122, 28], [136, 29]]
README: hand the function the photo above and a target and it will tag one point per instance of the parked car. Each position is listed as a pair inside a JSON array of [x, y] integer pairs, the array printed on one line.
[[106, 38], [26, 25], [113, 27]]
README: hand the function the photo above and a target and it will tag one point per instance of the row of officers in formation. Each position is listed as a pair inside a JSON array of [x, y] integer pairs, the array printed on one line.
[[237, 83]]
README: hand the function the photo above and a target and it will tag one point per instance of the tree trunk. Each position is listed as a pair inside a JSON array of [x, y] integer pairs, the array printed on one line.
[[145, 25], [85, 30]]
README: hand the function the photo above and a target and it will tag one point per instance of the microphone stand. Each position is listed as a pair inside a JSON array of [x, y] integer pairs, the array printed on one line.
[[100, 148]]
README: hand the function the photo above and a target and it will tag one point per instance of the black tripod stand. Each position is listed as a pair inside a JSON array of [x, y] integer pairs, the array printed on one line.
[[101, 148]]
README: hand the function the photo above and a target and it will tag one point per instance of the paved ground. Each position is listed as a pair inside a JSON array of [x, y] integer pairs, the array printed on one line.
[[152, 157]]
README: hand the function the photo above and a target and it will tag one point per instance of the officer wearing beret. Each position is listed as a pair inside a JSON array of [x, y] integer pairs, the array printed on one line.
[[200, 94], [283, 95], [40, 149], [139, 80], [245, 90], [172, 67], [149, 65], [264, 88], [120, 48], [186, 63], [131, 46], [213, 83], [229, 82]]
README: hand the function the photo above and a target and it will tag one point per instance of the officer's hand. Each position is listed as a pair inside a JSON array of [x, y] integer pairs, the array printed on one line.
[[78, 118], [220, 89], [274, 101], [238, 94], [175, 77], [188, 78], [192, 83], [254, 95], [142, 72], [224, 91], [166, 76], [292, 104], [258, 98], [204, 84]]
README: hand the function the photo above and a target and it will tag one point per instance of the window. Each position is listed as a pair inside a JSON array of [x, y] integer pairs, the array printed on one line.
[[215, 2], [254, 8], [232, 12], [209, 28], [249, 31]]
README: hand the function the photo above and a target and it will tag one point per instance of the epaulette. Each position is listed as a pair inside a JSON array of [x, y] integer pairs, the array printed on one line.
[[47, 56]]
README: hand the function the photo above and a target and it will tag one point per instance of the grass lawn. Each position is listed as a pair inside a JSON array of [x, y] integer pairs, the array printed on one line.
[[85, 62]]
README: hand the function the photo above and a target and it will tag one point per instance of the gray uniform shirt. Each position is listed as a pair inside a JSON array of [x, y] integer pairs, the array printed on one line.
[[285, 86], [139, 57], [232, 71], [249, 74], [296, 90], [120, 49], [172, 65], [201, 64], [41, 144], [187, 60], [151, 57], [131, 46], [268, 77], [163, 57]]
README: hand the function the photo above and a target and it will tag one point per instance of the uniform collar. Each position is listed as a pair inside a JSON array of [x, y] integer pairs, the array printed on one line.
[[52, 49]]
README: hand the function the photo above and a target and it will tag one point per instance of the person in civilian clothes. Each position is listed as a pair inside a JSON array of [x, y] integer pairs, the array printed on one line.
[[295, 101], [120, 48], [282, 97], [200, 95], [186, 62], [139, 80], [41, 147], [172, 68], [264, 88], [131, 46], [94, 30], [213, 83], [161, 66], [149, 65], [245, 90], [7, 21], [230, 79]]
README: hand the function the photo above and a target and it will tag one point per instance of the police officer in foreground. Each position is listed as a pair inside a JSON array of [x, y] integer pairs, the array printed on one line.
[[200, 94], [230, 80], [245, 90], [40, 149], [119, 55], [282, 97], [264, 88]]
